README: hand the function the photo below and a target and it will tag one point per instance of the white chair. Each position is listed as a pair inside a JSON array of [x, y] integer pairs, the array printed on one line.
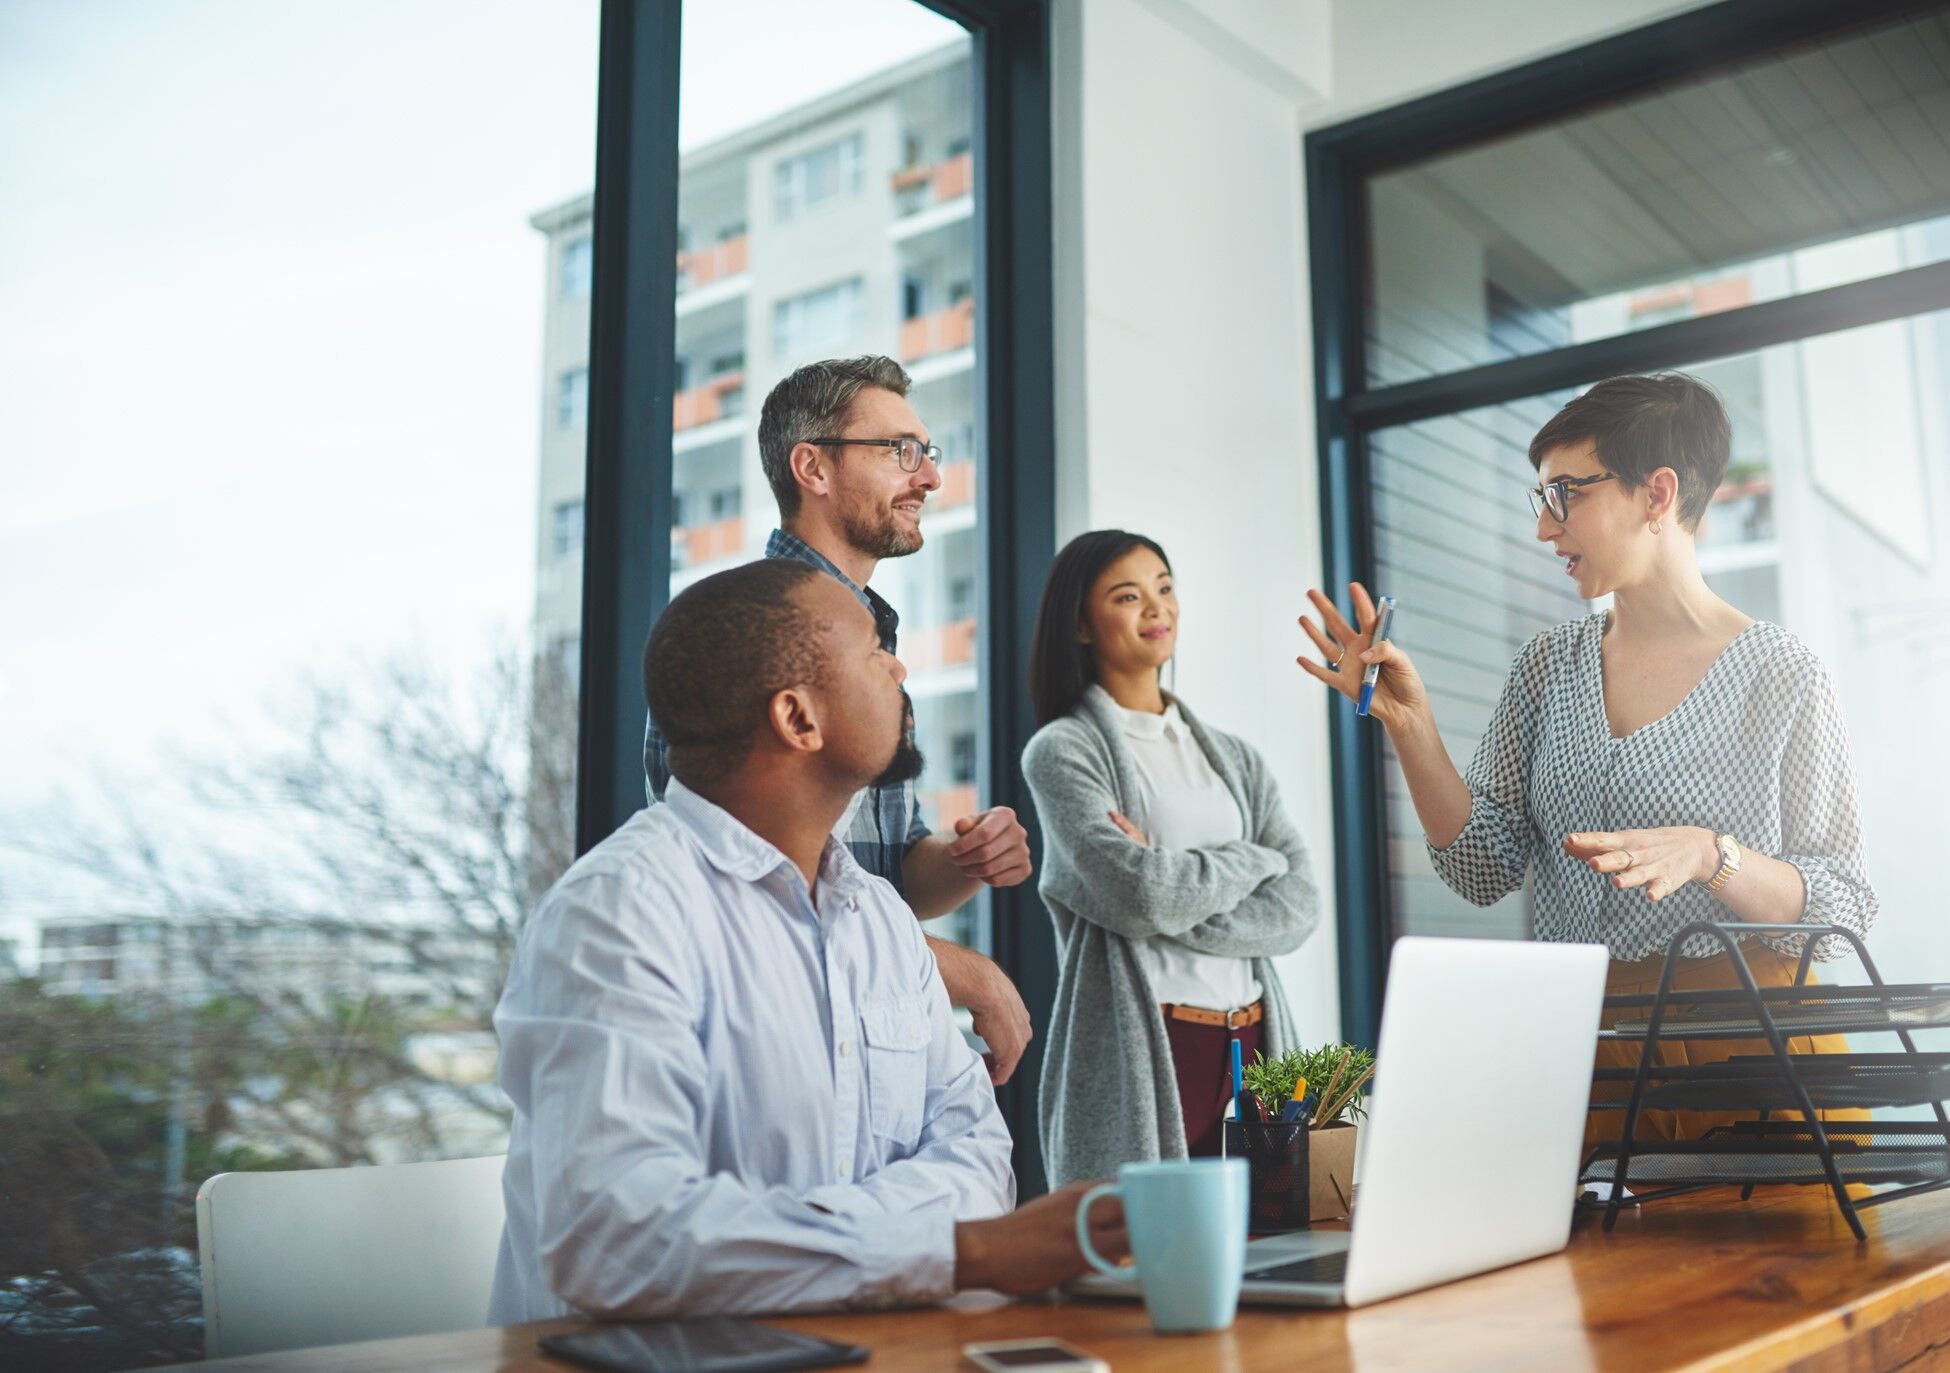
[[330, 1255]]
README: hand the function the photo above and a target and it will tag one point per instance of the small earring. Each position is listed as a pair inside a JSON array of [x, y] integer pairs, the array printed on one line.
[[1655, 526]]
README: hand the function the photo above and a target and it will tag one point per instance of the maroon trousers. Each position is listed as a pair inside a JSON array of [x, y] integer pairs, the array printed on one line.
[[1202, 1058]]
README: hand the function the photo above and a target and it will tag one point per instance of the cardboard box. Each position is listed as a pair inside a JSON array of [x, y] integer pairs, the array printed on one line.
[[1330, 1170]]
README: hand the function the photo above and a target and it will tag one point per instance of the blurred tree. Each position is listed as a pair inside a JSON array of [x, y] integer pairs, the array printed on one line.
[[337, 909]]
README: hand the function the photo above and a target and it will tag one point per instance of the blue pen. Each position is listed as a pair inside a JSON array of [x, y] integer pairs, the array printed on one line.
[[1238, 1083], [1373, 674]]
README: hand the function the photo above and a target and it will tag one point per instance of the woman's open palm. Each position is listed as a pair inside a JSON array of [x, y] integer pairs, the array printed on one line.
[[1347, 650]]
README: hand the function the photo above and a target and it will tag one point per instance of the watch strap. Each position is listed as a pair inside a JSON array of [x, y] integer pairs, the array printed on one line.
[[1729, 861]]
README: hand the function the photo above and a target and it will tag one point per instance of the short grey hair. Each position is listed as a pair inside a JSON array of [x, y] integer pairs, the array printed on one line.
[[812, 403]]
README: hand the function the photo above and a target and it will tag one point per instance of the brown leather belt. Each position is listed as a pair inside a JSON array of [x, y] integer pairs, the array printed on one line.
[[1223, 1020]]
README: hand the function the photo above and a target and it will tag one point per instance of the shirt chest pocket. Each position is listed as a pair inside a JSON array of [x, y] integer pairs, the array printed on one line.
[[896, 1034]]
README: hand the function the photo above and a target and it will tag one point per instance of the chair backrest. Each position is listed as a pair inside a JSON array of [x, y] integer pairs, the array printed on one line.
[[330, 1255]]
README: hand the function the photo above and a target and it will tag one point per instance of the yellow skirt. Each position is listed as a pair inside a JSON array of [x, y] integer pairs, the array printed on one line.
[[1770, 969]]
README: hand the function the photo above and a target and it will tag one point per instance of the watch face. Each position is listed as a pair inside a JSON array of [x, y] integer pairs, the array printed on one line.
[[1729, 851]]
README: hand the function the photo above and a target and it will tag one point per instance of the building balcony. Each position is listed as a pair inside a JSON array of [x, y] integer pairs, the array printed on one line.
[[719, 261], [918, 188], [949, 804], [939, 646], [944, 331], [1690, 299], [957, 487], [694, 545], [719, 398]]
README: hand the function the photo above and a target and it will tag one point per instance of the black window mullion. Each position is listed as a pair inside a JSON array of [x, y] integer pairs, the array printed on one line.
[[1339, 267], [1018, 484], [1746, 330], [632, 365]]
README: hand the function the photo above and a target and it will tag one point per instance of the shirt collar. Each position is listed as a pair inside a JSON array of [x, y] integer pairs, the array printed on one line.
[[885, 618], [1142, 724], [732, 848]]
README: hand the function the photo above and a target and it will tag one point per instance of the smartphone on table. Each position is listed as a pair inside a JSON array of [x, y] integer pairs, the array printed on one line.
[[711, 1344], [1032, 1356]]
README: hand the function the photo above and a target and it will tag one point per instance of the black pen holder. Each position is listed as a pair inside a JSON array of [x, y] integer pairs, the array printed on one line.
[[1277, 1192]]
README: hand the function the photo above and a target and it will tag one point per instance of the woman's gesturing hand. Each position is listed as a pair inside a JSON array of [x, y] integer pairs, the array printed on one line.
[[1662, 860], [1347, 651]]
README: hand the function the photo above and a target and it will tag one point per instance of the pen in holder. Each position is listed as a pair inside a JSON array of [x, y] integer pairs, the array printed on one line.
[[1278, 1196]]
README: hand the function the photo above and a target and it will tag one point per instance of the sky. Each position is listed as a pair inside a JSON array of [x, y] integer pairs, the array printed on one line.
[[271, 330]]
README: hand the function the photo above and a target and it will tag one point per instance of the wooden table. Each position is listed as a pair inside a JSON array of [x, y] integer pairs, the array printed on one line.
[[1700, 1282]]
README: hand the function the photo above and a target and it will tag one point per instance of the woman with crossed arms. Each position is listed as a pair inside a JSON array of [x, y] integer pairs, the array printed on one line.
[[1670, 760], [1169, 867]]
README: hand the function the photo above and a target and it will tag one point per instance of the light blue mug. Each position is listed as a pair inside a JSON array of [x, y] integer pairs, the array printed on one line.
[[1187, 1223]]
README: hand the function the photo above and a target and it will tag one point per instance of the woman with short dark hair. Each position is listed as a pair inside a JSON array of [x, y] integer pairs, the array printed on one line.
[[1667, 761], [1169, 868]]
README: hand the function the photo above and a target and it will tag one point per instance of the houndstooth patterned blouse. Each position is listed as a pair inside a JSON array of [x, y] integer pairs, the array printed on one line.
[[1758, 750]]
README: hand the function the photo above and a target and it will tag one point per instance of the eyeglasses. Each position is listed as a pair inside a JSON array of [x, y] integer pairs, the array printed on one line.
[[1555, 496], [907, 452]]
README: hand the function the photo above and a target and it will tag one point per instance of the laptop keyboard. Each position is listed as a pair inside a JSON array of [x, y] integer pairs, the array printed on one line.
[[1322, 1268]]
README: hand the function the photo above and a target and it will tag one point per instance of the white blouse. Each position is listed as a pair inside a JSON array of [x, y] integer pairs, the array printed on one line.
[[1184, 804]]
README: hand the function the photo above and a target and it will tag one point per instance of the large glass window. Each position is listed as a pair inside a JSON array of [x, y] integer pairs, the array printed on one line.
[[1688, 200], [289, 750], [873, 129], [1613, 231]]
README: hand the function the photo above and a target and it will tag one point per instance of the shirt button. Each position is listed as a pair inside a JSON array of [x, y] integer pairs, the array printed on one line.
[[846, 1048], [846, 1166]]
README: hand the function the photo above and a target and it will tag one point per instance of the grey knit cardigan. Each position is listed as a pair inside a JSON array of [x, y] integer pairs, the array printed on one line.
[[1109, 1094]]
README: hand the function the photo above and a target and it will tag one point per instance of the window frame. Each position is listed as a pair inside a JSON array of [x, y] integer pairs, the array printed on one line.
[[1340, 159], [628, 490]]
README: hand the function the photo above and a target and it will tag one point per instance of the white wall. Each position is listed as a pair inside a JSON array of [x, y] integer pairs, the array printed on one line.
[[1183, 327]]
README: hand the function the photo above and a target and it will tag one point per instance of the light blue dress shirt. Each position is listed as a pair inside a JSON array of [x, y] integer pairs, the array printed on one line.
[[729, 1098]]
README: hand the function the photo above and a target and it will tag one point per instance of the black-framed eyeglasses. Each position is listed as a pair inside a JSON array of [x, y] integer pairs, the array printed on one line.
[[1555, 496], [907, 452]]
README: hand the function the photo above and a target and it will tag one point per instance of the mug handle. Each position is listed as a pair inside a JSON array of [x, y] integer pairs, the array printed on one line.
[[1097, 1261]]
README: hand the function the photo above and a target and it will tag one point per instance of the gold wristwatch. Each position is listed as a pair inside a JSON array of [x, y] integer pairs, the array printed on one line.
[[1730, 855]]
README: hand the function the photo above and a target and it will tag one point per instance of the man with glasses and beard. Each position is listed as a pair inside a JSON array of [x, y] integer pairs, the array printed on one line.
[[737, 1083], [850, 465]]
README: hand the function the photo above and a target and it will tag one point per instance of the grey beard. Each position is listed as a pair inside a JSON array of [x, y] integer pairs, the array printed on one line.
[[881, 539]]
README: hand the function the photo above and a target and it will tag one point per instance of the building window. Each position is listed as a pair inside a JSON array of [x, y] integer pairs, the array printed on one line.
[[568, 528], [826, 173], [819, 322], [572, 399], [578, 266], [963, 764]]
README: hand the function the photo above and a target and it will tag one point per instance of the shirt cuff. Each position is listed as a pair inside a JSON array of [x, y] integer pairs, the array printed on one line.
[[907, 1260]]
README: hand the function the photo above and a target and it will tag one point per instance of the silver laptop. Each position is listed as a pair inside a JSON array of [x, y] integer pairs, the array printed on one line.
[[1473, 1137]]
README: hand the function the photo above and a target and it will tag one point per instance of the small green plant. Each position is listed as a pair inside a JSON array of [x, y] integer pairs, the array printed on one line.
[[1333, 1073]]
